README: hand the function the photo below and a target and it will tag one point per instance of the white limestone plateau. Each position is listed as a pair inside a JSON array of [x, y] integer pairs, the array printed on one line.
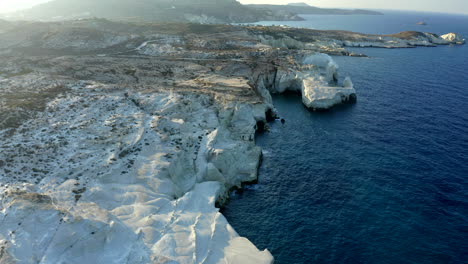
[[118, 140], [103, 179]]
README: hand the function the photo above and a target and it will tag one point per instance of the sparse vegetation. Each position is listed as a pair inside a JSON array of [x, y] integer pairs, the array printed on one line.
[[19, 106]]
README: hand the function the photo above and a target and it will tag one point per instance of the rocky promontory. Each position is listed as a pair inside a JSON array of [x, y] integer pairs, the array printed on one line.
[[119, 141], [305, 9]]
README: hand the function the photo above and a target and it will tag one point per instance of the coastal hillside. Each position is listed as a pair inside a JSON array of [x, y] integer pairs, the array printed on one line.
[[303, 8], [198, 11], [4, 25], [120, 141]]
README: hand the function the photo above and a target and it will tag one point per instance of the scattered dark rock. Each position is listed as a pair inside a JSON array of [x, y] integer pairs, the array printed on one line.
[[79, 191], [270, 115], [352, 99], [260, 126]]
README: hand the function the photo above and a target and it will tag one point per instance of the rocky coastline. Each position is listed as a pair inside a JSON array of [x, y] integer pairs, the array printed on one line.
[[118, 140]]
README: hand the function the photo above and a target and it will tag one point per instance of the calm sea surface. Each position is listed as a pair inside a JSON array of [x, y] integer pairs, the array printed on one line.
[[381, 181]]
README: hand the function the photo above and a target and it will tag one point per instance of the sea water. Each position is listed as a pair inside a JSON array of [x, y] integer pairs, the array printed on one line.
[[381, 181]]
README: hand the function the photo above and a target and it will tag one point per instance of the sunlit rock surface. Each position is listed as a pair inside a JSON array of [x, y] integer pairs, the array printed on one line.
[[453, 38], [110, 176], [321, 91], [125, 158], [315, 78], [407, 39], [118, 141]]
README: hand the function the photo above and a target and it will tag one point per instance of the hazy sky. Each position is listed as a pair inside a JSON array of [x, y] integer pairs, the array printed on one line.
[[12, 5], [451, 6]]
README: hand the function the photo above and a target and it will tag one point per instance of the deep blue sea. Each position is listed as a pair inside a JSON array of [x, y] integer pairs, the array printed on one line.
[[381, 181]]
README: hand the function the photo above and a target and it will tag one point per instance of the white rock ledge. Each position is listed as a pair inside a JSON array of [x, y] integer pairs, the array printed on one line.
[[119, 177], [315, 79], [406, 40], [453, 38], [317, 96]]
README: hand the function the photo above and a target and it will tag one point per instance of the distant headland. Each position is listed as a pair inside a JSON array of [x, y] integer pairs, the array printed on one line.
[[202, 11]]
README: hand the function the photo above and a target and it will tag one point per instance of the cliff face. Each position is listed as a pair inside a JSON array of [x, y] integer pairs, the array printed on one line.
[[201, 11]]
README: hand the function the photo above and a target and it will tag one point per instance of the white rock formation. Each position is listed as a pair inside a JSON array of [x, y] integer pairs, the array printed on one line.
[[317, 95], [419, 39], [108, 176], [161, 45], [316, 81], [453, 38]]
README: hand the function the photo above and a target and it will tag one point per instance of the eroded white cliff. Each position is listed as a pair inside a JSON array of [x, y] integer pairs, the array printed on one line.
[[111, 176], [316, 79], [406, 40], [453, 38]]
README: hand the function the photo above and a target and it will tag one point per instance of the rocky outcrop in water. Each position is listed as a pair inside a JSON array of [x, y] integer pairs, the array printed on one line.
[[453, 38], [315, 78]]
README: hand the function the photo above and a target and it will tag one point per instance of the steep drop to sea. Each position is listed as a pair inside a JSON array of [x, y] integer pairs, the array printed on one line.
[[382, 181]]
